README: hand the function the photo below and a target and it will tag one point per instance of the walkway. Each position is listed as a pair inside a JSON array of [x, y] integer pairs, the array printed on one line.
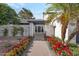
[[39, 48]]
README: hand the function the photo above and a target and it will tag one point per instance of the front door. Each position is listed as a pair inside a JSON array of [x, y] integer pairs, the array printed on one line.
[[39, 33], [39, 29]]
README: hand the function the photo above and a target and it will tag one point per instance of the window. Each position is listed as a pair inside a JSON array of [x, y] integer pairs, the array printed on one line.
[[42, 29], [35, 28], [39, 29]]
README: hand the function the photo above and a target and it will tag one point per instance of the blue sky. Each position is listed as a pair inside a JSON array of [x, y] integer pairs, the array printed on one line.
[[36, 8]]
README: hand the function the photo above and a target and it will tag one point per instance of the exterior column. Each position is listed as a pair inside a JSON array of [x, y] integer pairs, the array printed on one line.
[[31, 29], [10, 28], [37, 29], [41, 29]]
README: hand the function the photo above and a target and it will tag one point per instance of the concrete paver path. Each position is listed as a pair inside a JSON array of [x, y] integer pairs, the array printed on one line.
[[39, 48]]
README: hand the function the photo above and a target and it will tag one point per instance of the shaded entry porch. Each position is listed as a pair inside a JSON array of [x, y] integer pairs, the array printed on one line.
[[39, 29], [39, 32]]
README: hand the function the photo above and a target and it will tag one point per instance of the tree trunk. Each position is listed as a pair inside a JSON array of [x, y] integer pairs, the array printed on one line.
[[63, 31]]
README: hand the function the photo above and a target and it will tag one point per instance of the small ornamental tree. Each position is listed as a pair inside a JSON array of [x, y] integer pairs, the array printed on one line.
[[15, 31], [5, 32], [22, 30]]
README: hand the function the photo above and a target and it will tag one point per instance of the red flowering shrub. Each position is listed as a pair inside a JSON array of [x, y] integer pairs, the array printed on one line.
[[65, 51], [59, 47], [49, 39], [18, 48], [59, 52]]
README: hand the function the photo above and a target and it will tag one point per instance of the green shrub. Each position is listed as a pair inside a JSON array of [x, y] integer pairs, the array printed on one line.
[[15, 30], [5, 32], [72, 45], [74, 49]]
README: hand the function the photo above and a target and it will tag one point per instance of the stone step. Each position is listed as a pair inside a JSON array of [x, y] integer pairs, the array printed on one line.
[[39, 36]]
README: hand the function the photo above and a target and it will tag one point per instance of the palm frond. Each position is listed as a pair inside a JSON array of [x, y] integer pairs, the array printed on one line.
[[51, 17]]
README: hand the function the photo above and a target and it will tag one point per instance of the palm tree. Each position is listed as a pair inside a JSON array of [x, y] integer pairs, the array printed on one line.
[[25, 13], [68, 12]]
